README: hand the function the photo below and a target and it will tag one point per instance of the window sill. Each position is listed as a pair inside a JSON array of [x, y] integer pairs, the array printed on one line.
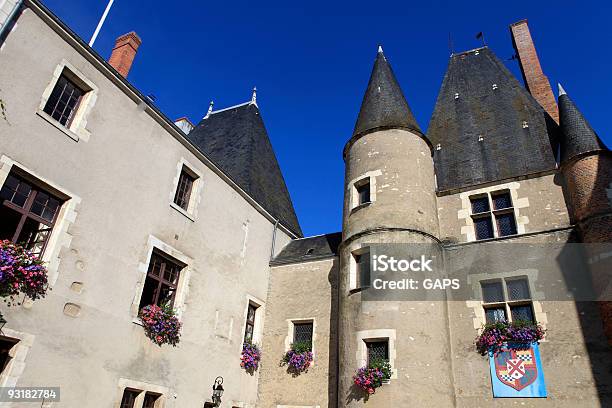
[[137, 321], [185, 213], [58, 125], [360, 206]]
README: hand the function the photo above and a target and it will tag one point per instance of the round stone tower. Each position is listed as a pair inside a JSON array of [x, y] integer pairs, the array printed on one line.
[[389, 197]]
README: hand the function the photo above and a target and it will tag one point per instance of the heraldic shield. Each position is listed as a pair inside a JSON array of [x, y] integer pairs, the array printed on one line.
[[517, 372]]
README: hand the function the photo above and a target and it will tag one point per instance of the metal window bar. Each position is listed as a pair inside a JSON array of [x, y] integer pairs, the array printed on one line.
[[302, 332], [377, 350]]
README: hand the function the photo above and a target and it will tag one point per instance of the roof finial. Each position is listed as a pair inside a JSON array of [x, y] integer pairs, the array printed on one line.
[[210, 109], [561, 90], [254, 97], [380, 49]]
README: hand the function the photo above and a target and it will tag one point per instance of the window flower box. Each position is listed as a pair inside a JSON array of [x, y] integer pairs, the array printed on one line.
[[21, 272], [373, 376], [515, 335], [249, 360], [160, 324], [299, 358]]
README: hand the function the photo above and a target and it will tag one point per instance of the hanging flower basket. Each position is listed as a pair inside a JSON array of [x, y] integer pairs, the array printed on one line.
[[160, 324], [249, 360], [516, 335], [21, 272], [369, 378], [298, 358]]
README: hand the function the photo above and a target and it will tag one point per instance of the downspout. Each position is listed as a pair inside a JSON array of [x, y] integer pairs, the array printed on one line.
[[273, 240], [10, 18]]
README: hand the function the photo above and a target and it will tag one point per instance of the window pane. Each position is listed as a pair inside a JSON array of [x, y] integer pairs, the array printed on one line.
[[501, 200], [302, 332], [480, 205], [15, 190], [149, 292], [129, 398], [362, 262], [518, 289], [494, 315], [522, 313], [9, 220], [33, 236], [149, 400], [483, 227], [363, 191], [166, 295], [183, 190], [506, 224], [63, 101], [248, 332], [492, 292], [45, 206], [377, 350]]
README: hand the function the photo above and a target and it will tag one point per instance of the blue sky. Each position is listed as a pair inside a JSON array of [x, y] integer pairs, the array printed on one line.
[[311, 61]]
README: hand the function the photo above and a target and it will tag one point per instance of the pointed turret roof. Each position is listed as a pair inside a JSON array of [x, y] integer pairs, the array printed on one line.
[[384, 105], [236, 140], [577, 135]]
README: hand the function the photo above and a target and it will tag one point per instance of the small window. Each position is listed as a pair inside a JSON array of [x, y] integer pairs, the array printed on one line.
[[150, 399], [249, 328], [129, 398], [302, 332], [64, 100], [161, 281], [377, 350], [362, 268], [363, 192], [507, 300], [483, 227], [27, 213], [184, 189], [6, 344], [502, 214]]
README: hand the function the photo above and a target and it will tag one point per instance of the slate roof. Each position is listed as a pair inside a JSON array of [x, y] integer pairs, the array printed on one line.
[[236, 140], [384, 105], [309, 248], [468, 107], [577, 135]]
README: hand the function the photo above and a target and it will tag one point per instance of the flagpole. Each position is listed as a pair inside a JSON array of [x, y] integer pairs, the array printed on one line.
[[95, 34]]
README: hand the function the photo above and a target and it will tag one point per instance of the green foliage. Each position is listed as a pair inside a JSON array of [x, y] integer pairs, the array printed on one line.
[[301, 346], [382, 365]]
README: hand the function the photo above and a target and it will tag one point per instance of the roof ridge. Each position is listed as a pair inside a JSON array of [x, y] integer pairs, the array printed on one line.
[[233, 107]]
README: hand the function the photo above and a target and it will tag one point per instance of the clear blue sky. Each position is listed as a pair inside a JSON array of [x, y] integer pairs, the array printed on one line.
[[311, 61]]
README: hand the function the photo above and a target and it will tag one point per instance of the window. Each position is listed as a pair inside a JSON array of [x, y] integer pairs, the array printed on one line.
[[161, 281], [377, 350], [64, 100], [507, 300], [502, 213], [302, 332], [28, 213], [363, 191], [150, 399], [362, 268], [6, 344], [129, 398], [249, 328], [183, 189]]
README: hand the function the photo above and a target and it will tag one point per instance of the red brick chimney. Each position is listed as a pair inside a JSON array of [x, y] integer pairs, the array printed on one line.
[[535, 81], [124, 52]]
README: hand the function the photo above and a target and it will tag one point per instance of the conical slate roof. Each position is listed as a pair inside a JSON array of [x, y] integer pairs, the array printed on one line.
[[486, 127], [577, 135], [384, 105], [236, 140]]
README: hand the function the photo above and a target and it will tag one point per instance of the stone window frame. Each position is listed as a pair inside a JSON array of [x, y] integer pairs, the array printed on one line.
[[60, 237], [364, 336], [196, 189], [507, 303], [519, 203], [18, 353], [370, 176], [479, 319], [182, 288], [260, 313], [291, 333], [77, 129], [353, 278], [143, 387]]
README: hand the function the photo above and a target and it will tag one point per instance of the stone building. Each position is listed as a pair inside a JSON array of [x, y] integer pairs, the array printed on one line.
[[128, 208]]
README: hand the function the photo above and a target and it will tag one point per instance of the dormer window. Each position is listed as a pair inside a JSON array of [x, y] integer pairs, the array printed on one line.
[[64, 100]]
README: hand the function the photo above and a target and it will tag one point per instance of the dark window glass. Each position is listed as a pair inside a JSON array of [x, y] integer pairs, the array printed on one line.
[[302, 332], [506, 224], [250, 322], [495, 314], [492, 292], [63, 101], [6, 345], [27, 213], [501, 200], [149, 400], [480, 205], [483, 227], [183, 190], [129, 398], [162, 279], [523, 313], [377, 350], [362, 262], [363, 192], [518, 289]]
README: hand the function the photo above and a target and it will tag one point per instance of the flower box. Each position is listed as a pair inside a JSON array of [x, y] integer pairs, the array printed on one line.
[[299, 358], [160, 324], [516, 335], [21, 272], [249, 359], [373, 376]]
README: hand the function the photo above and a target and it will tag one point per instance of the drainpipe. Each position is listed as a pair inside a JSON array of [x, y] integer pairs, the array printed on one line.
[[273, 240], [10, 18]]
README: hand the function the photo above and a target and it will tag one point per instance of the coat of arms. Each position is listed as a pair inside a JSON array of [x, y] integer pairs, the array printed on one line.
[[516, 368]]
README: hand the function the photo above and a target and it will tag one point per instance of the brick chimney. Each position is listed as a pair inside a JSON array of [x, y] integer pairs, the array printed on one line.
[[535, 81], [124, 52]]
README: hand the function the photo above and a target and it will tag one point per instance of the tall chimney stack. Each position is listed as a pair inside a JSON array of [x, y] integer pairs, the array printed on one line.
[[124, 52], [535, 81]]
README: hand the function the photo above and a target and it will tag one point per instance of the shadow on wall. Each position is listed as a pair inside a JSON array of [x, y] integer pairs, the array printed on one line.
[[332, 383]]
